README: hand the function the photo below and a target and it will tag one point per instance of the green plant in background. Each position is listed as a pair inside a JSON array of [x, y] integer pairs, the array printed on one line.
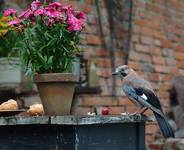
[[8, 38], [50, 36]]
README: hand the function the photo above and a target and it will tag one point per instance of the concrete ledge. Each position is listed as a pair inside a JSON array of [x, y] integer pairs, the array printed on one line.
[[71, 120]]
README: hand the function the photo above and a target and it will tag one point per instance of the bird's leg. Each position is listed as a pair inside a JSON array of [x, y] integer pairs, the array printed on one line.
[[134, 113], [139, 111], [143, 110]]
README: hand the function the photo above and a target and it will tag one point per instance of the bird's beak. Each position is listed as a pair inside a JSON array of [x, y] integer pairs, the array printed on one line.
[[115, 73]]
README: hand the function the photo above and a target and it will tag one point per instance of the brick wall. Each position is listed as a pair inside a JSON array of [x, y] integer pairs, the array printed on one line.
[[157, 47], [156, 51]]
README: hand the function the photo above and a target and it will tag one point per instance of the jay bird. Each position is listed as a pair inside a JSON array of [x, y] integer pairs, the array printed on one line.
[[141, 92]]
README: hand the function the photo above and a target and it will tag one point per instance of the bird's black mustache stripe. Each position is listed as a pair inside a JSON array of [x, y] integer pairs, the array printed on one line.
[[123, 74]]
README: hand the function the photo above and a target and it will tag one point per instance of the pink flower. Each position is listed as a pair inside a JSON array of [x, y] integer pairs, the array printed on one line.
[[65, 8], [9, 11], [14, 22], [51, 12], [25, 14], [80, 15], [55, 5], [35, 5], [39, 12], [50, 22], [74, 27], [74, 24]]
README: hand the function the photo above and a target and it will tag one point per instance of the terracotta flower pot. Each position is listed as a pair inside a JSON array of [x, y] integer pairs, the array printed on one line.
[[56, 92]]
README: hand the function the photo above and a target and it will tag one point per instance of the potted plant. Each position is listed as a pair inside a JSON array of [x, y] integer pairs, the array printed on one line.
[[11, 73], [50, 38]]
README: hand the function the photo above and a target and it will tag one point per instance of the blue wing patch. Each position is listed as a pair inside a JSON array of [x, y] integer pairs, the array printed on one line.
[[130, 91]]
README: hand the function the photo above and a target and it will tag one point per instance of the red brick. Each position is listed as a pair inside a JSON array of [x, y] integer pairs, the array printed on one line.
[[119, 61], [141, 48], [131, 109], [135, 38], [126, 102], [73, 3], [149, 138], [105, 81], [159, 60], [167, 44], [164, 95], [106, 91], [90, 1], [117, 110], [170, 61], [174, 70], [142, 22], [119, 53], [180, 64], [102, 52], [154, 85], [92, 20], [134, 56], [103, 62], [88, 29], [104, 72], [93, 40], [85, 8], [147, 23], [154, 77], [97, 101], [179, 55], [156, 25], [165, 86], [134, 65], [167, 77], [156, 51], [179, 48], [159, 35], [145, 58], [181, 72], [161, 69], [147, 31], [146, 40], [151, 128]]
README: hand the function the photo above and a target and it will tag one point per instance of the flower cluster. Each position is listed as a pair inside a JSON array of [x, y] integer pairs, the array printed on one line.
[[8, 37], [50, 14], [4, 25], [49, 36]]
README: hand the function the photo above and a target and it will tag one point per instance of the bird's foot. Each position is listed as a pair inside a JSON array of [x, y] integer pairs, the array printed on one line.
[[134, 113]]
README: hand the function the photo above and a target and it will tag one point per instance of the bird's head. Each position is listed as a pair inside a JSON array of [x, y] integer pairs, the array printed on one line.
[[122, 71]]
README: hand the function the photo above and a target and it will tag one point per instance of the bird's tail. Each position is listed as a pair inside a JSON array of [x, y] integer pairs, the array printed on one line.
[[164, 125]]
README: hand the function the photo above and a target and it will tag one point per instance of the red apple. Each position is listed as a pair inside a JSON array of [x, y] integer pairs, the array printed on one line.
[[105, 111]]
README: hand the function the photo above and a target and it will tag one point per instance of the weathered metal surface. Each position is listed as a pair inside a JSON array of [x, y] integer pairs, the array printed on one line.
[[72, 120], [73, 133], [129, 136]]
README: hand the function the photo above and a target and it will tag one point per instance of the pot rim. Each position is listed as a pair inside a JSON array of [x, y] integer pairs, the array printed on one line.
[[55, 77]]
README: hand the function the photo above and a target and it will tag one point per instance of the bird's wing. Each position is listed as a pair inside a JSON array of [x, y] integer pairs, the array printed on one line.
[[144, 96]]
